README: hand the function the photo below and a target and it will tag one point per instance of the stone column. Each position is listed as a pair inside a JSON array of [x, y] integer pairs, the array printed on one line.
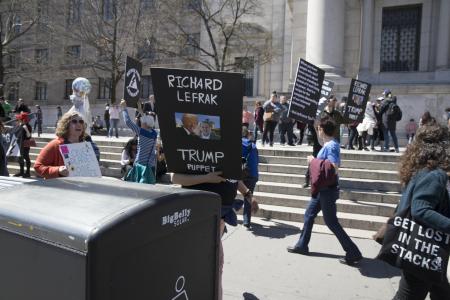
[[325, 34], [443, 41], [367, 36]]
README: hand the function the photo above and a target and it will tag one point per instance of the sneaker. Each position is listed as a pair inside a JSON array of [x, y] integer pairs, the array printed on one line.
[[297, 250]]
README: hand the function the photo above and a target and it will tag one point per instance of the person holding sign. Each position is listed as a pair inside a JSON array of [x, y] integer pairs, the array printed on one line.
[[71, 129], [326, 199], [144, 168], [424, 171]]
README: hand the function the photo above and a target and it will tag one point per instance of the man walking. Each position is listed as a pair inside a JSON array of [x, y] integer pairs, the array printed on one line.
[[286, 124]]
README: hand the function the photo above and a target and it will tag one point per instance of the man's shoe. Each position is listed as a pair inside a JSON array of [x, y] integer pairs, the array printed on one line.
[[18, 175], [291, 144], [397, 151], [301, 251], [26, 175], [350, 261], [304, 186]]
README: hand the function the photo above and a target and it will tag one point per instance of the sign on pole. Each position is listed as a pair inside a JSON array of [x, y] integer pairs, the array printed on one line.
[[306, 92], [132, 87], [200, 117], [358, 96]]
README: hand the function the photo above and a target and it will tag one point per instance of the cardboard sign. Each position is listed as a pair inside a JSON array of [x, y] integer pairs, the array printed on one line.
[[357, 100], [200, 117], [80, 160], [306, 92], [132, 86]]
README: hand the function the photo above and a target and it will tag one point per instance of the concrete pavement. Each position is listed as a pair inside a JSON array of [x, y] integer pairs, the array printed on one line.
[[257, 266]]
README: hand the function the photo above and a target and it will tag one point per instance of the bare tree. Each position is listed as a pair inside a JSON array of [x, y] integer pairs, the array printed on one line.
[[108, 27], [17, 18], [210, 33]]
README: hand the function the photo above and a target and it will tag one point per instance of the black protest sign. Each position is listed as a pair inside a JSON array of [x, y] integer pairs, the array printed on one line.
[[306, 92], [357, 100], [131, 90], [327, 89], [200, 117]]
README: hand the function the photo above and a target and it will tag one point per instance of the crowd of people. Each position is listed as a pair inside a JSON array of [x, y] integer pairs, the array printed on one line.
[[425, 163]]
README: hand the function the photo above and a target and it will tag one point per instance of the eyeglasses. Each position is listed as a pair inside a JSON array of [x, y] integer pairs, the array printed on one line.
[[75, 121]]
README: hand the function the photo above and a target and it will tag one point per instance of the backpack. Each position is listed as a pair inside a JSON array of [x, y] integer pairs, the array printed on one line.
[[394, 112]]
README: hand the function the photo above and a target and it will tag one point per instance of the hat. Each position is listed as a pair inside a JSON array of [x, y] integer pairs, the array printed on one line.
[[386, 92], [23, 116]]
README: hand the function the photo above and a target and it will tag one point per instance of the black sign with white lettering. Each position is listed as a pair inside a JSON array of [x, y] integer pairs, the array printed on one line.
[[306, 92], [200, 116], [327, 89], [357, 100], [131, 89]]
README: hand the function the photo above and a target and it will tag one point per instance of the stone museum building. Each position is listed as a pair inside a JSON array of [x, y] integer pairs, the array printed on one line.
[[403, 45]]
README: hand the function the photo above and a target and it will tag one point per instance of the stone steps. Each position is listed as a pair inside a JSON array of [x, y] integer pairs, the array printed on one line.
[[348, 220], [368, 180], [353, 164], [343, 172]]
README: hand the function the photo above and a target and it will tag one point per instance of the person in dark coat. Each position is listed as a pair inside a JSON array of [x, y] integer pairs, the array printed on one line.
[[424, 170], [389, 123], [3, 149], [21, 107]]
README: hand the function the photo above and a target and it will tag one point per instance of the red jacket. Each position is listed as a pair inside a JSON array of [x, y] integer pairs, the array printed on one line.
[[49, 160], [322, 174]]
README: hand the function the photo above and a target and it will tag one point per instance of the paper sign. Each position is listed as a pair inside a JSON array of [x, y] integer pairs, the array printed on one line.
[[80, 160]]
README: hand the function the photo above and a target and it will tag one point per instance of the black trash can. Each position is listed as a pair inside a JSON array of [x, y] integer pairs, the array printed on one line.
[[104, 239]]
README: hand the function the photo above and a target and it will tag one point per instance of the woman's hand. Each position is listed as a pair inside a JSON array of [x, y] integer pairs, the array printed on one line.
[[123, 104], [214, 177], [309, 158], [63, 172]]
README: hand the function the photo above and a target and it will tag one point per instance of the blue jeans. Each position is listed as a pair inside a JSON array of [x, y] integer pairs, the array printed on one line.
[[386, 138], [250, 183], [326, 201], [114, 125]]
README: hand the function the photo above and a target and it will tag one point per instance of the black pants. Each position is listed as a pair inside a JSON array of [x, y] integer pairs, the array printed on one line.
[[257, 128], [353, 136], [301, 136], [269, 128], [286, 128], [24, 157], [413, 288]]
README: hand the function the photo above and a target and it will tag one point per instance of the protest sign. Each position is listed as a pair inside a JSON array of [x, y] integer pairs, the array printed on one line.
[[327, 89], [131, 90], [200, 117], [357, 100], [306, 92], [80, 160], [11, 137]]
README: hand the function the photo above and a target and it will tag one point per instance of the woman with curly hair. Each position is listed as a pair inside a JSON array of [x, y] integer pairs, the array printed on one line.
[[424, 170], [71, 129]]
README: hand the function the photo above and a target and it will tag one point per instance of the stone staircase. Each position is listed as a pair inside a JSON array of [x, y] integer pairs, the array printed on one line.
[[368, 180], [369, 185]]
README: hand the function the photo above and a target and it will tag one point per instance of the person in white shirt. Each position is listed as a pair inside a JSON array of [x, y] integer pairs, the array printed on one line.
[[114, 118]]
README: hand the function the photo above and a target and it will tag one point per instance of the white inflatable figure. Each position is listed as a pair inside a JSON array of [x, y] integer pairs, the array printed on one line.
[[81, 88]]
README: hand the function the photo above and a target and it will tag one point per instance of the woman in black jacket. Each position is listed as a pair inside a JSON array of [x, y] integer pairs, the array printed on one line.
[[424, 170]]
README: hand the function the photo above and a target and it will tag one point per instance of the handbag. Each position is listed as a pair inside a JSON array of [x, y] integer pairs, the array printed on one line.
[[268, 116], [29, 143], [415, 248]]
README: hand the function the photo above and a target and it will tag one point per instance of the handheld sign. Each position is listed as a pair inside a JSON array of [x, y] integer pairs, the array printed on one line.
[[357, 100], [200, 117], [327, 89], [80, 160], [306, 92], [131, 89]]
